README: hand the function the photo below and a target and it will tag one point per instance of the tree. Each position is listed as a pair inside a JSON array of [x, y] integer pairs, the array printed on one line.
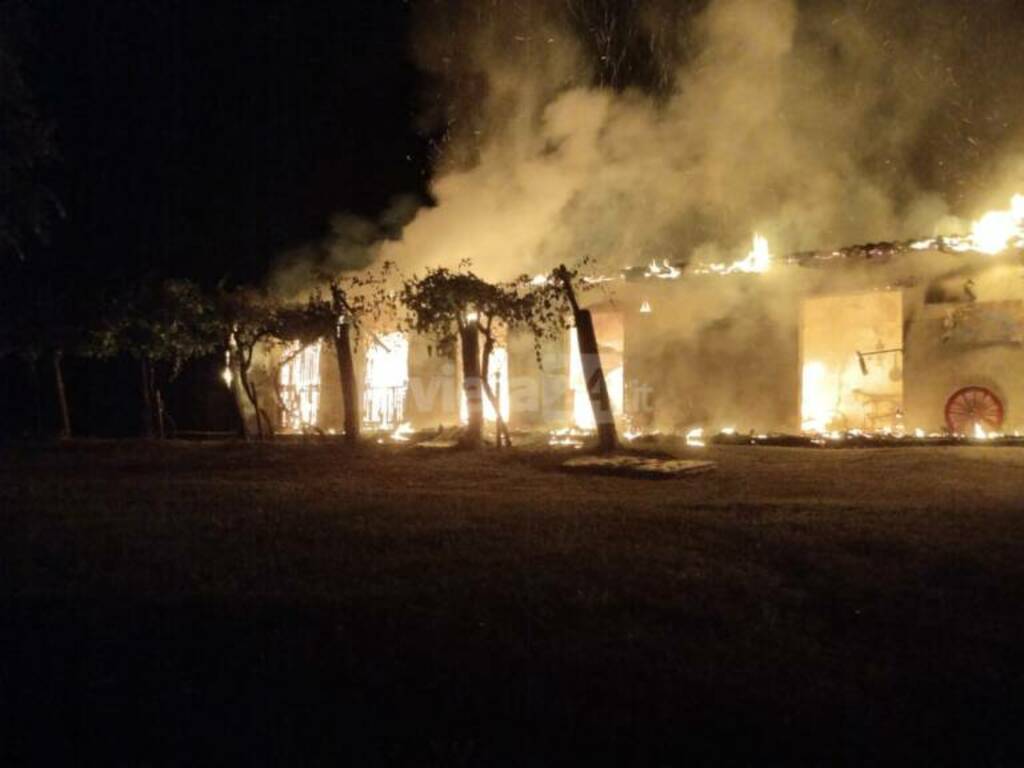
[[590, 359], [42, 318], [338, 310], [162, 325], [33, 341], [33, 312], [300, 325], [27, 147], [246, 318], [457, 308], [354, 300], [345, 318]]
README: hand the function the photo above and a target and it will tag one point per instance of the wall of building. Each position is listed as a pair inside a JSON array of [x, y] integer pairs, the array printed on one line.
[[725, 351], [539, 392], [961, 335], [433, 397], [698, 358]]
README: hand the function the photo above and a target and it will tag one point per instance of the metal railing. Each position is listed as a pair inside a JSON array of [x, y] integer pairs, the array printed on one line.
[[384, 407]]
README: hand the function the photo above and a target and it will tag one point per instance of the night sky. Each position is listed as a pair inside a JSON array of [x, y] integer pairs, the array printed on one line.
[[202, 138], [205, 138]]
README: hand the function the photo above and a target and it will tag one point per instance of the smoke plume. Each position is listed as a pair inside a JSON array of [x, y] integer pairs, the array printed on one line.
[[631, 130]]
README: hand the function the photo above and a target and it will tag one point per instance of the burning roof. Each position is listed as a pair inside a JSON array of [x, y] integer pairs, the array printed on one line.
[[995, 233]]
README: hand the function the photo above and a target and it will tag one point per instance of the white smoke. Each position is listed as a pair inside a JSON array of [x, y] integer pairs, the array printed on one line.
[[812, 123]]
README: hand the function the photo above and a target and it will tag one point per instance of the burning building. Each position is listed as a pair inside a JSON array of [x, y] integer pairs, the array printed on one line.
[[880, 338], [898, 338]]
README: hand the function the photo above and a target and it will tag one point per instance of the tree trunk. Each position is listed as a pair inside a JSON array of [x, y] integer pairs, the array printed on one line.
[[62, 400], [502, 435], [146, 382], [597, 387], [237, 393], [593, 373], [267, 428], [349, 388], [250, 392], [245, 360], [158, 401], [261, 418], [37, 402], [470, 337]]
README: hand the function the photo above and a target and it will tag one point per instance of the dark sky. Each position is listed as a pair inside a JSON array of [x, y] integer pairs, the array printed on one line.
[[202, 137]]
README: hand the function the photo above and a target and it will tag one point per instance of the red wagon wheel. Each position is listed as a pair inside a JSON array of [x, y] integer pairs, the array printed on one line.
[[973, 407]]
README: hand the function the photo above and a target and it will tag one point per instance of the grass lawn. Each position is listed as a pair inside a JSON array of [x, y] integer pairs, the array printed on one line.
[[305, 604]]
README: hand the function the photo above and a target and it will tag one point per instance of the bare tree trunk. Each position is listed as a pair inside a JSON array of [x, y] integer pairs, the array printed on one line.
[[250, 392], [593, 373], [249, 389], [500, 427], [262, 420], [62, 400], [147, 422], [470, 337], [158, 401], [37, 402], [234, 365], [267, 429], [349, 388], [597, 387]]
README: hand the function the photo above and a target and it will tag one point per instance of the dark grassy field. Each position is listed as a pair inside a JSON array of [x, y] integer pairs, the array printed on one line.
[[304, 604]]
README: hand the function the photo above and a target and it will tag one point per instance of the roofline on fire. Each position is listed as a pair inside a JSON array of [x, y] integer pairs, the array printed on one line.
[[868, 253]]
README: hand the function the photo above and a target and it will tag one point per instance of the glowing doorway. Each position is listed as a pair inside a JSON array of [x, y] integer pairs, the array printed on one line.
[[852, 362], [299, 384], [386, 381]]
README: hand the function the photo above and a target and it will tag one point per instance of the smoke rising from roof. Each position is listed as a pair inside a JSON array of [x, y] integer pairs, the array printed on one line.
[[626, 130]]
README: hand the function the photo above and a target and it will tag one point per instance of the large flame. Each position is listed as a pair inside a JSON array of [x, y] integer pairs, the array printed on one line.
[[226, 375], [571, 437], [300, 386], [386, 380], [662, 271], [757, 261], [817, 402], [582, 410], [993, 233], [402, 433], [998, 230]]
